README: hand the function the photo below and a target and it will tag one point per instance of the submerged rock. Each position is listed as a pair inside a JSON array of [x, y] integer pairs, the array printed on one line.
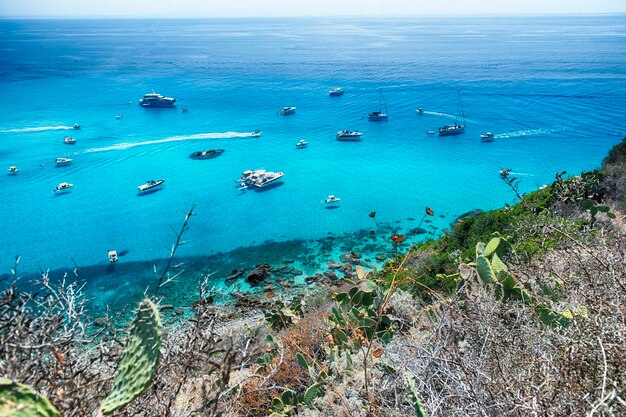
[[236, 273], [334, 265], [330, 275], [259, 274]]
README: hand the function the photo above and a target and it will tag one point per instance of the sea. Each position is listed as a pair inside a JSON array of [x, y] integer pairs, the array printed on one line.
[[552, 89]]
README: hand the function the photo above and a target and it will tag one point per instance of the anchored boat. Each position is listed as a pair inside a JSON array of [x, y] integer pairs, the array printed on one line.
[[211, 153], [380, 115], [347, 135], [456, 128], [156, 100]]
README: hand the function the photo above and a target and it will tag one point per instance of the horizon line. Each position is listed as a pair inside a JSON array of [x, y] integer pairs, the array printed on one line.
[[161, 17]]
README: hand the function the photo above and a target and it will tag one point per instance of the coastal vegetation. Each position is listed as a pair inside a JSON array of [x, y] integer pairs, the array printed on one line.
[[516, 311]]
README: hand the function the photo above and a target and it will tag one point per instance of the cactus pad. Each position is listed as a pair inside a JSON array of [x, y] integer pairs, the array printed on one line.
[[140, 358], [19, 400]]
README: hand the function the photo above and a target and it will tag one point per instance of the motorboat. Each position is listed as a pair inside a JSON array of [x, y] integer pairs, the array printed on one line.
[[380, 115], [456, 128], [420, 111], [301, 143], [335, 92], [258, 177], [287, 111], [487, 137], [185, 109], [156, 100], [13, 170], [430, 132], [75, 126], [504, 172], [349, 135], [150, 184], [69, 140], [64, 186], [118, 117], [332, 199], [113, 256], [255, 134], [450, 130], [60, 162], [211, 153]]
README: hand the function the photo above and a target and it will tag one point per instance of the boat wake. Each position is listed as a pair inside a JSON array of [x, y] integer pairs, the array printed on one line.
[[447, 116], [527, 132], [199, 136], [36, 129]]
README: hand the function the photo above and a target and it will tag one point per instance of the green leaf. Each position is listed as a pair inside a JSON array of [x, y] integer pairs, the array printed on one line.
[[587, 204], [288, 397], [311, 394], [480, 249], [417, 404], [340, 336], [497, 264], [19, 400], [302, 360], [277, 404], [610, 215], [602, 208], [484, 270], [492, 246]]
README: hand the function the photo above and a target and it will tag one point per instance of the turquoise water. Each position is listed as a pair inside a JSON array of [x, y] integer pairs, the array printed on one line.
[[551, 89]]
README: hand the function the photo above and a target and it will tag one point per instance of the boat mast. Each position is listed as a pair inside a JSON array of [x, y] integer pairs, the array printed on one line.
[[462, 111], [382, 103]]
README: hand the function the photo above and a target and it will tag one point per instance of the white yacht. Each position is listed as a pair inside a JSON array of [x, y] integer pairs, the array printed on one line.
[[258, 177], [64, 186], [150, 184], [13, 170], [349, 135], [156, 100], [335, 92], [69, 140], [332, 199], [287, 111], [302, 143], [60, 162]]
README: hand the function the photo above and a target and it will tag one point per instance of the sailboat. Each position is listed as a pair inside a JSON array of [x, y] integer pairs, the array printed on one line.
[[456, 128], [379, 116]]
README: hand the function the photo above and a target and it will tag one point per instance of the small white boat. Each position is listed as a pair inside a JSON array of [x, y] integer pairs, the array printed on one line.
[[118, 117], [430, 132], [287, 110], [150, 184], [112, 256], [76, 126], [255, 134], [420, 111], [349, 135], [64, 186], [69, 140], [60, 162], [301, 143], [332, 199], [13, 170], [487, 137], [335, 92], [504, 172]]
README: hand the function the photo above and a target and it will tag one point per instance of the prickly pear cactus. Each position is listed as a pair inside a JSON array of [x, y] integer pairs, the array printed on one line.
[[19, 400], [139, 360]]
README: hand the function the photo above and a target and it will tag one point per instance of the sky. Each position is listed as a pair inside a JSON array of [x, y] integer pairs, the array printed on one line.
[[283, 8]]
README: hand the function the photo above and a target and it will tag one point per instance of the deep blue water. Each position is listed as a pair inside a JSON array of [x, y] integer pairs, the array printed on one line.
[[552, 89]]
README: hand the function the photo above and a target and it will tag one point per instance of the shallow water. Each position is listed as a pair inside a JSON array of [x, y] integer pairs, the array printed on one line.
[[551, 90]]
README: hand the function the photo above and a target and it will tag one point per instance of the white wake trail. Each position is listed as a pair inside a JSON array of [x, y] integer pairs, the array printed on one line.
[[199, 136], [36, 129]]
